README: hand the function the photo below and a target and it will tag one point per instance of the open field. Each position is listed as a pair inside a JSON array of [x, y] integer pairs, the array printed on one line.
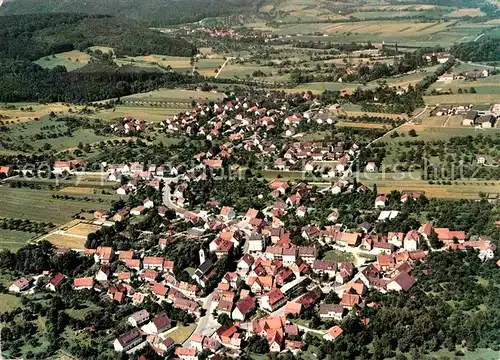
[[66, 241], [77, 190], [25, 132], [146, 113], [177, 63], [208, 67], [172, 95], [72, 60], [29, 111], [38, 205], [13, 239], [336, 255], [428, 133], [363, 125], [487, 86], [9, 302], [458, 189], [182, 333], [82, 229], [319, 87]]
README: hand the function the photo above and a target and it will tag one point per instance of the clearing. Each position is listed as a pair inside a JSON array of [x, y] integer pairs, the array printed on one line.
[[14, 239], [71, 60]]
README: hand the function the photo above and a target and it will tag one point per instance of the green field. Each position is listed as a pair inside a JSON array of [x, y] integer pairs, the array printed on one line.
[[336, 255], [22, 133], [72, 60], [9, 302], [172, 95], [38, 205], [13, 239], [462, 98], [488, 85]]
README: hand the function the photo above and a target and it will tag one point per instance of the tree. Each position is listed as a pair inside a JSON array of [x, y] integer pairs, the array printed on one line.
[[412, 133], [224, 319], [258, 345]]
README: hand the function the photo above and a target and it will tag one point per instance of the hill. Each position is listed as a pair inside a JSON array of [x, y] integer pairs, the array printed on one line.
[[154, 12], [32, 36]]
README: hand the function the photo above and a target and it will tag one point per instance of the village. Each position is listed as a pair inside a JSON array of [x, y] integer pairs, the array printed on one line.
[[275, 286]]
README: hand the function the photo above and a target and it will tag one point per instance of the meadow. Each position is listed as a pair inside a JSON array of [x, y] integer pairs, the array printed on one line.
[[13, 239], [24, 112], [172, 95], [71, 60], [38, 205], [479, 99]]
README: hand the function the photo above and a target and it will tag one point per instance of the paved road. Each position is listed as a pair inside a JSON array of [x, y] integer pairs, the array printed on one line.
[[167, 201], [207, 324]]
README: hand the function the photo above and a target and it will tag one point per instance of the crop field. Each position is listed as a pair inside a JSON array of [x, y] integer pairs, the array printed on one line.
[[428, 133], [72, 60], [488, 85], [77, 190], [172, 95], [319, 87], [146, 113], [38, 205], [82, 229], [29, 111], [13, 239], [208, 67], [462, 98], [178, 63], [362, 125]]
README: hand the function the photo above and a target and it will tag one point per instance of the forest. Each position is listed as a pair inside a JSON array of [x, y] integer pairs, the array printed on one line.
[[487, 49], [152, 12], [30, 37]]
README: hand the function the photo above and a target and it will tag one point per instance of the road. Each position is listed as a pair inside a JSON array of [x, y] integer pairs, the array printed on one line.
[[207, 324], [479, 37], [222, 67], [167, 201]]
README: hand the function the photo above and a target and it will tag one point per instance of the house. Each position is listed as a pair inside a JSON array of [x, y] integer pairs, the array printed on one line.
[[104, 254], [129, 340], [165, 346], [227, 213], [395, 238], [480, 159], [152, 262], [276, 342], [486, 121], [197, 341], [403, 281], [308, 253], [6, 171], [55, 282], [204, 273], [273, 300], [411, 240], [103, 273], [332, 311], [138, 318], [186, 353], [294, 308], [83, 283], [350, 301], [380, 201], [244, 307], [333, 333], [470, 117], [370, 167], [243, 266], [256, 242], [446, 78], [188, 305], [348, 239], [251, 214], [138, 210], [321, 267], [148, 204], [20, 285], [158, 324]]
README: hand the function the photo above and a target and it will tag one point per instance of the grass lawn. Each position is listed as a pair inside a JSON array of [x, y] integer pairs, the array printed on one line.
[[142, 112], [38, 205], [336, 255], [13, 239], [80, 313], [9, 302], [190, 271], [182, 333]]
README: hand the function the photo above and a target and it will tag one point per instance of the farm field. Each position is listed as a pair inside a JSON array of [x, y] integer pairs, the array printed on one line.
[[362, 125], [428, 133], [462, 98], [172, 95], [177, 63], [66, 241], [38, 205], [488, 85], [208, 67], [146, 113], [71, 60], [13, 239], [30, 111], [319, 87], [458, 189]]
